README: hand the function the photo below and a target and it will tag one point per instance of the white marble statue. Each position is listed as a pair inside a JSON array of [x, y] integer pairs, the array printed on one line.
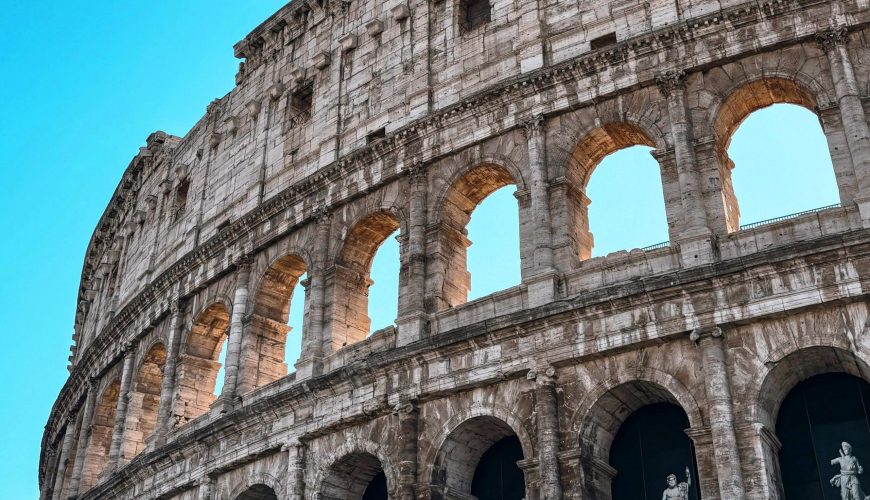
[[847, 479], [677, 491]]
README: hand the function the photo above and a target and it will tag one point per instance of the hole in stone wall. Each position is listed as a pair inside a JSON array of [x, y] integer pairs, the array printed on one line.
[[384, 291], [495, 244], [625, 215], [782, 164], [222, 370], [376, 135], [474, 14], [603, 41]]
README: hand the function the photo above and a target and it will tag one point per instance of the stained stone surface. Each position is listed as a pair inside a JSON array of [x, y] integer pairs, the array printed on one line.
[[355, 118]]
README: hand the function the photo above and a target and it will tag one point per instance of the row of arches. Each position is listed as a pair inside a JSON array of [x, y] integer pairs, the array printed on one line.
[[348, 278], [649, 450]]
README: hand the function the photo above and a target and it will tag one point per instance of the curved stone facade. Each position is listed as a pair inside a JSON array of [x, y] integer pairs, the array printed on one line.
[[352, 119]]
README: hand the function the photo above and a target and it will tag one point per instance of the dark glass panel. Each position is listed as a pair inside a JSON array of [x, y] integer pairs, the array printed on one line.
[[497, 476], [650, 445], [814, 419], [377, 488]]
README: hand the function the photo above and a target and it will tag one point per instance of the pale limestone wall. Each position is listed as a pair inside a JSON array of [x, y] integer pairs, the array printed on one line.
[[522, 100]]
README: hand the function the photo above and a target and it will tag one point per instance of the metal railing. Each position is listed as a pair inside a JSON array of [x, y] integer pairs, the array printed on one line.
[[663, 244], [786, 217]]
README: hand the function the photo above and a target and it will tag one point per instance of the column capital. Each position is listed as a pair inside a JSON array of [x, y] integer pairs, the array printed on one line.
[[416, 171], [176, 306], [534, 124], [671, 81], [832, 37], [244, 261], [701, 333], [322, 215], [543, 377]]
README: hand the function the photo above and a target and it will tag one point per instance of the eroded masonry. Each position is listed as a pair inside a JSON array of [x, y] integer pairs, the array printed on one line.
[[728, 363]]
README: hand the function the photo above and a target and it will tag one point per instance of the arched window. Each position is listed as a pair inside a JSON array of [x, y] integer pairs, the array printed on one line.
[[144, 398], [198, 365], [652, 453], [101, 435], [814, 420], [781, 163], [384, 290], [480, 458], [350, 309], [358, 476], [627, 214], [496, 263], [269, 329]]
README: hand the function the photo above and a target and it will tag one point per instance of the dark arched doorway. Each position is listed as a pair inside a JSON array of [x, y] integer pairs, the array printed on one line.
[[258, 492], [497, 476], [358, 476], [815, 418], [479, 459], [650, 446]]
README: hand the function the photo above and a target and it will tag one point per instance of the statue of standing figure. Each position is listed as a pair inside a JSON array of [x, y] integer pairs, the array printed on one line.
[[679, 491], [847, 479]]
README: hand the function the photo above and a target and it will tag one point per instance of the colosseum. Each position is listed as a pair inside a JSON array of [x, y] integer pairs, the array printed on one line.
[[731, 362]]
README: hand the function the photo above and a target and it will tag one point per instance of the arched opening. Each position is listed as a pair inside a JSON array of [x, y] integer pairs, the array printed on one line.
[[384, 290], [652, 454], [815, 419], [626, 215], [480, 458], [618, 199], [144, 398], [102, 426], [198, 365], [258, 492], [358, 476], [270, 329], [451, 287], [350, 310], [630, 456], [784, 164]]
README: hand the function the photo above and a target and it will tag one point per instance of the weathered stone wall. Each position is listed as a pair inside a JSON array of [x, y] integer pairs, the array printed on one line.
[[352, 120]]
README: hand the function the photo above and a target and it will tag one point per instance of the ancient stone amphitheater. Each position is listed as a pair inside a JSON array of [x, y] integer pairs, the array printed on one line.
[[735, 357]]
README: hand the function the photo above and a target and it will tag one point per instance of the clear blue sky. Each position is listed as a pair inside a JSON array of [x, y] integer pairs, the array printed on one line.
[[84, 83]]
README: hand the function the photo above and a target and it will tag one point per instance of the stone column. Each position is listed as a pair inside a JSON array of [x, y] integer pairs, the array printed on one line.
[[407, 445], [295, 450], [66, 447], [204, 488], [413, 317], [121, 410], [234, 346], [167, 389], [311, 361], [721, 414], [84, 438], [540, 197], [673, 86], [546, 408], [833, 43]]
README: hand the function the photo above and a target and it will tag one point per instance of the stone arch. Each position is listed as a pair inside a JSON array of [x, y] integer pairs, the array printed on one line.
[[268, 327], [729, 110], [607, 406], [102, 427], [464, 440], [144, 398], [198, 364], [257, 492], [586, 154], [347, 472], [784, 371], [258, 486], [350, 319], [462, 194]]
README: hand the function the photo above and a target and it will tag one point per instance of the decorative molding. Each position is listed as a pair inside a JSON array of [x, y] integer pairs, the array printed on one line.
[[671, 81]]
